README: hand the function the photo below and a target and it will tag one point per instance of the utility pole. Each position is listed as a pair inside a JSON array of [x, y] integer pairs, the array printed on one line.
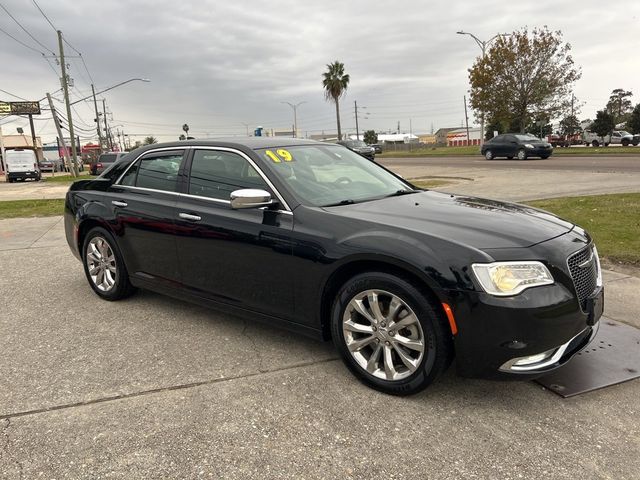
[[483, 46], [56, 121], [466, 118], [73, 168], [95, 106], [2, 163], [106, 127], [355, 103], [33, 136]]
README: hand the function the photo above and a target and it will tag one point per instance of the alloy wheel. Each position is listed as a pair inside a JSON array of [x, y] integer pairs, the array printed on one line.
[[383, 335], [101, 264]]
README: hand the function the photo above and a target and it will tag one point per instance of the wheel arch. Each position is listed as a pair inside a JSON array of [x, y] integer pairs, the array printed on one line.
[[353, 267]]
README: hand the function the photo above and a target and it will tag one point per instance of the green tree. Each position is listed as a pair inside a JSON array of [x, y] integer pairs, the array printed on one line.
[[335, 83], [370, 137], [540, 127], [570, 125], [633, 123], [604, 123], [149, 140], [619, 104], [492, 126], [524, 75]]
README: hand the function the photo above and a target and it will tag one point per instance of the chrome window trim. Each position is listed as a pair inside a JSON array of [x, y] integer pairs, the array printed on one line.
[[253, 164], [144, 189], [286, 211]]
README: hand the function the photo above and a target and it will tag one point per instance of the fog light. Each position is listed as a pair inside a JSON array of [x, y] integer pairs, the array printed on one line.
[[533, 358]]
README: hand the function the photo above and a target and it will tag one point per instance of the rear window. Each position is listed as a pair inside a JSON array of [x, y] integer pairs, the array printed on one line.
[[107, 158]]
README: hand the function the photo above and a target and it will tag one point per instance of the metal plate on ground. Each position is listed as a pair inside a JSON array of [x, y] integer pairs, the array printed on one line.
[[613, 357]]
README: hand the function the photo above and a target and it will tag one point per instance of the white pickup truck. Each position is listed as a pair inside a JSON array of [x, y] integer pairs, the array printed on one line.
[[21, 164], [618, 137]]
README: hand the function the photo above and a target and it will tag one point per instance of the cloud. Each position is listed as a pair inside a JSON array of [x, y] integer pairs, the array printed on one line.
[[220, 65]]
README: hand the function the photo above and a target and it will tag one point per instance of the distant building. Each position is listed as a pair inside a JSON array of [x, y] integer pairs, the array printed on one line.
[[427, 138], [458, 137], [396, 138], [22, 141], [441, 135]]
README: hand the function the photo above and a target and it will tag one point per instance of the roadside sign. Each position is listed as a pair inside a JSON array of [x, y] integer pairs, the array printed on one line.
[[19, 108]]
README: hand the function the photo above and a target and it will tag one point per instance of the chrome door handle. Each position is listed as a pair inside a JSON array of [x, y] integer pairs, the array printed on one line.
[[188, 216], [117, 203]]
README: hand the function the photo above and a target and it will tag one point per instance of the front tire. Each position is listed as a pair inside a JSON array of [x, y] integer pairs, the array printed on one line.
[[389, 335], [104, 267], [489, 155], [522, 154]]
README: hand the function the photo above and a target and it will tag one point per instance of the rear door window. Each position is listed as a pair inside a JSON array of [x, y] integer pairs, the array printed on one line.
[[155, 171]]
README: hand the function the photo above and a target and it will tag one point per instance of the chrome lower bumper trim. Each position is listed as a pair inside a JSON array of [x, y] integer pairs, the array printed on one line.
[[509, 366]]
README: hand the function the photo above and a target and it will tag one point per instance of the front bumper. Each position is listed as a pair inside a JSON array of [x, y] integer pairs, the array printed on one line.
[[539, 152], [522, 336]]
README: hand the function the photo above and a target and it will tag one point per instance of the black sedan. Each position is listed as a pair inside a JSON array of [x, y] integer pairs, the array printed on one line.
[[519, 145], [359, 147], [317, 239]]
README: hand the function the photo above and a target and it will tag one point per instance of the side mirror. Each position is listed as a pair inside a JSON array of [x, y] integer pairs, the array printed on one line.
[[250, 198]]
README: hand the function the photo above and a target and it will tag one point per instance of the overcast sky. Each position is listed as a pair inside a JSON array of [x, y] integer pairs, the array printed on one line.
[[218, 66]]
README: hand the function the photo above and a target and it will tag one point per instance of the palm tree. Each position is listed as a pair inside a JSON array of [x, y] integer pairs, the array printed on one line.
[[335, 83], [150, 140]]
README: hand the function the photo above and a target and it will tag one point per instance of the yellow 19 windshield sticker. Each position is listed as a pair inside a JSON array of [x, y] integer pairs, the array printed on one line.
[[280, 155]]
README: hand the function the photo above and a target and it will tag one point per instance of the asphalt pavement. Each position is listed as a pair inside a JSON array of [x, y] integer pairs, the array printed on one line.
[[152, 387]]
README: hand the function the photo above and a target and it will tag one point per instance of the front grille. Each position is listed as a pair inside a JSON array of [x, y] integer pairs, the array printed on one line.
[[583, 266]]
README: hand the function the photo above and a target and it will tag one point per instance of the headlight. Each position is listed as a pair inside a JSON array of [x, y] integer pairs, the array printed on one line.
[[510, 278], [528, 145]]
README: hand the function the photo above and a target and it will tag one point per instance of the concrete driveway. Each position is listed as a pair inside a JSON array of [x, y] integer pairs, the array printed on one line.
[[152, 387]]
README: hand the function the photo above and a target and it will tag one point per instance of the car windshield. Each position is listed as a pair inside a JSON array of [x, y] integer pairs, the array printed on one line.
[[356, 143], [526, 137], [624, 133], [327, 175]]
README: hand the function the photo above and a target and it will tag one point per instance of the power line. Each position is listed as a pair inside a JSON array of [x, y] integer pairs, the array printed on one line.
[[26, 31], [13, 95], [64, 39], [21, 42], [44, 15]]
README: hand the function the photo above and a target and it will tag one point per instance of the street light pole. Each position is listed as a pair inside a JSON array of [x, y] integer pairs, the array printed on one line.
[[295, 116], [483, 46]]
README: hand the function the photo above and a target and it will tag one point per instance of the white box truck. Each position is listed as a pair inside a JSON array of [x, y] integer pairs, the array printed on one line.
[[21, 164]]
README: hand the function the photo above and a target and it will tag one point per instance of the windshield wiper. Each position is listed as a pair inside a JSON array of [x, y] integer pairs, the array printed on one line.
[[398, 193], [348, 201]]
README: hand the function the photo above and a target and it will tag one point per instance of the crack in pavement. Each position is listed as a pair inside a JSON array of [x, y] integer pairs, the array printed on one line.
[[182, 386], [245, 334], [5, 447]]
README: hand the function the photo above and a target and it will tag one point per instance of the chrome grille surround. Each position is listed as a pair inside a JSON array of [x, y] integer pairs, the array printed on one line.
[[584, 268]]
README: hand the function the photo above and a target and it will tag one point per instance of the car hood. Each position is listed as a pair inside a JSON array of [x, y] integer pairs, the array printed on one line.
[[476, 222]]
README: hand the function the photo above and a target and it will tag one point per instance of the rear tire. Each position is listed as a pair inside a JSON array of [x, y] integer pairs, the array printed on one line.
[[595, 143], [400, 361], [104, 267]]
